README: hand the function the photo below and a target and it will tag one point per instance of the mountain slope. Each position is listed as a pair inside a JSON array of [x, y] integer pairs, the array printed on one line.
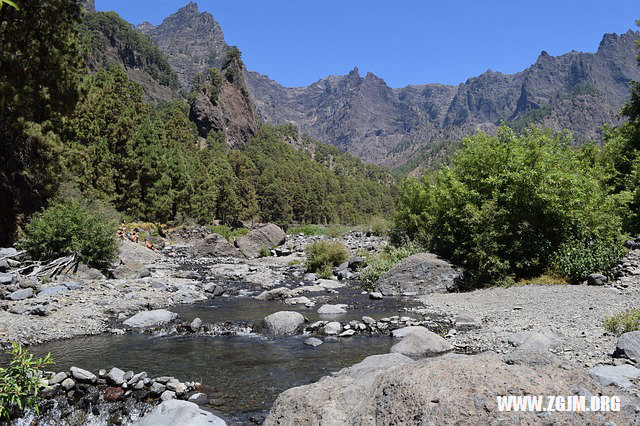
[[193, 41], [577, 91]]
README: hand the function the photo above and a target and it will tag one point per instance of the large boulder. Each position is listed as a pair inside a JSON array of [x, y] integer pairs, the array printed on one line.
[[134, 261], [214, 245], [421, 343], [147, 319], [265, 237], [183, 413], [422, 273], [282, 323], [629, 346], [453, 389]]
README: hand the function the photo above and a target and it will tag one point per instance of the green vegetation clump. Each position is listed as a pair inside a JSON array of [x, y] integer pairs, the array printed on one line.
[[308, 230], [510, 207], [103, 28], [21, 381], [228, 233], [380, 264], [264, 252], [623, 322], [379, 226], [322, 256], [70, 227]]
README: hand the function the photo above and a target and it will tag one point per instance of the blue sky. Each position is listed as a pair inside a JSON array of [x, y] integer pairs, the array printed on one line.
[[297, 42]]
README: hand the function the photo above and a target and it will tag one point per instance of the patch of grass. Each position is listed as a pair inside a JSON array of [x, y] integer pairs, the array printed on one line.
[[322, 256], [550, 278], [228, 233], [294, 263], [264, 252], [623, 322], [308, 230], [380, 264]]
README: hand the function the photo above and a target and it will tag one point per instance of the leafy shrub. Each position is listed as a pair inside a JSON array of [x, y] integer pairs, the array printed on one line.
[[70, 227], [228, 233], [577, 259], [264, 252], [323, 255], [506, 205], [379, 226], [21, 381], [623, 322], [380, 264]]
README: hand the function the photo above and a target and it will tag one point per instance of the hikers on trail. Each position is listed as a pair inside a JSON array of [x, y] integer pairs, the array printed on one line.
[[121, 233]]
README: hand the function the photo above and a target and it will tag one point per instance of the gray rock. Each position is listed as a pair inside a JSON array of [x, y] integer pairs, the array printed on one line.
[[618, 375], [597, 279], [402, 332], [539, 339], [347, 333], [39, 310], [629, 346], [422, 343], [155, 318], [312, 341], [310, 277], [199, 398], [183, 413], [368, 320], [68, 384], [116, 377], [467, 321], [58, 378], [71, 285], [52, 291], [181, 389], [195, 325], [167, 395], [283, 323], [214, 246], [157, 388], [6, 279], [22, 294], [420, 274], [17, 309], [83, 376], [332, 328], [265, 237], [4, 265], [332, 310], [375, 295], [8, 252]]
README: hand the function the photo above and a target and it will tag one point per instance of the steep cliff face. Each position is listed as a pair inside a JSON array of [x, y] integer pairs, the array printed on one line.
[[193, 42], [225, 109], [576, 91]]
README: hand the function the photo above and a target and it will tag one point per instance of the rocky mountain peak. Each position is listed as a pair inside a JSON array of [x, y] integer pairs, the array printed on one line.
[[192, 40]]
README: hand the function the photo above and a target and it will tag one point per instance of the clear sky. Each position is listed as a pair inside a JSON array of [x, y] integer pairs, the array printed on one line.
[[297, 42]]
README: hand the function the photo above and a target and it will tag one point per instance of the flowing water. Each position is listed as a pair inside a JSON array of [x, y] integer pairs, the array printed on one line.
[[243, 374]]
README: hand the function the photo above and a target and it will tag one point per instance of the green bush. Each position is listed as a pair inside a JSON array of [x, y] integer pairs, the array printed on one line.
[[505, 205], [70, 227], [577, 259], [21, 381], [380, 264], [379, 226], [264, 252], [623, 322], [228, 233], [323, 255]]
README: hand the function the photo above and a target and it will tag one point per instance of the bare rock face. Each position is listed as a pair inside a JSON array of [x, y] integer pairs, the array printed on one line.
[[134, 260], [448, 390], [214, 246], [231, 113], [265, 237], [422, 273], [420, 343]]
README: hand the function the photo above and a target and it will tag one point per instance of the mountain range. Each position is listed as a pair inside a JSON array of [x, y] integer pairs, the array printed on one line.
[[410, 126]]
